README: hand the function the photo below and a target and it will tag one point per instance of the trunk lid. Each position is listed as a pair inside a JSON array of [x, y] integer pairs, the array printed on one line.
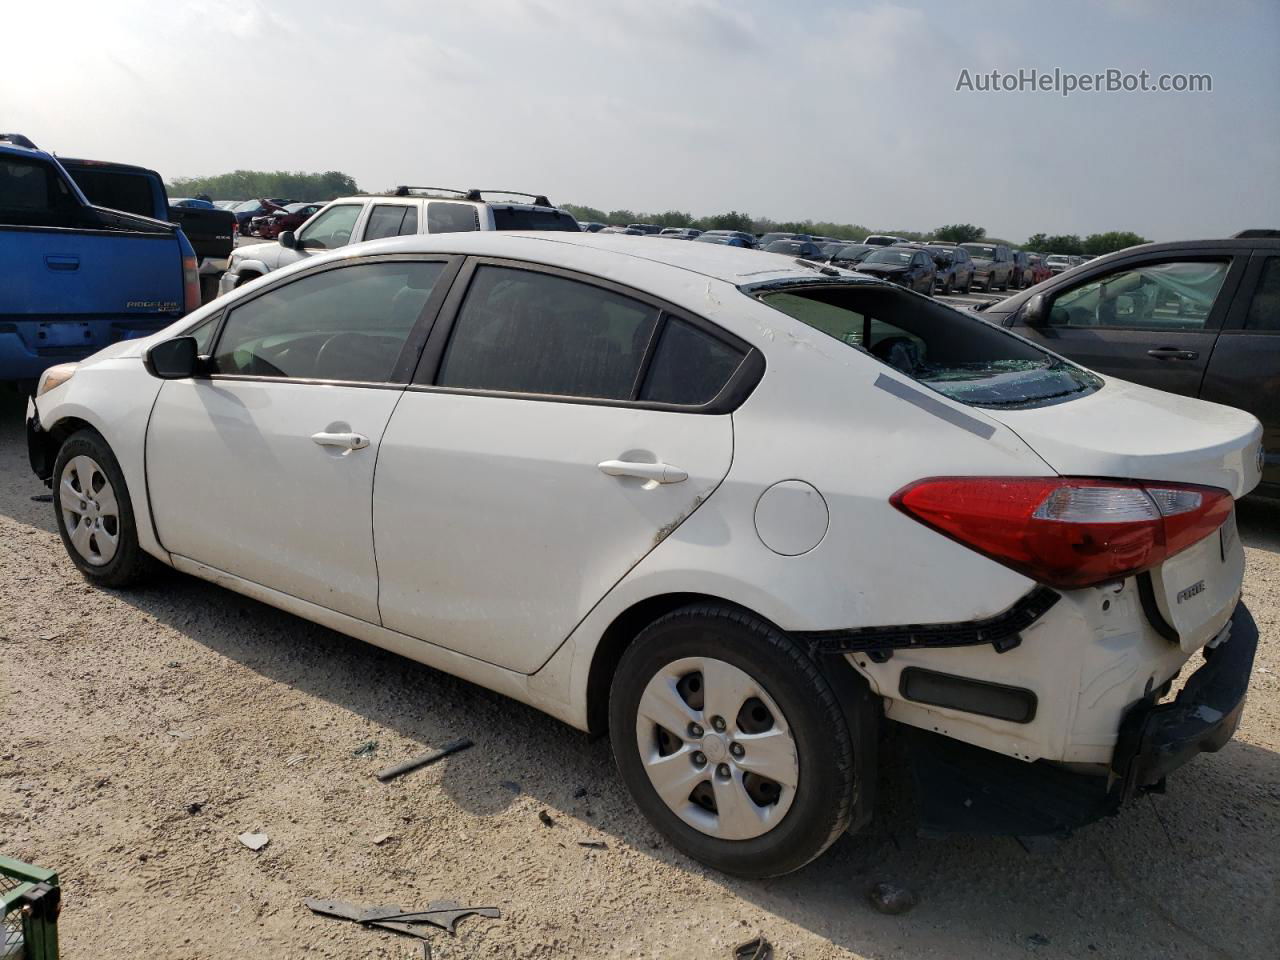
[[1133, 432], [1128, 431]]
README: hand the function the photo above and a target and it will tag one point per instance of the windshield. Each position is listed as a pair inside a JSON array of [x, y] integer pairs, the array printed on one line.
[[896, 255], [1057, 258], [962, 357], [980, 251]]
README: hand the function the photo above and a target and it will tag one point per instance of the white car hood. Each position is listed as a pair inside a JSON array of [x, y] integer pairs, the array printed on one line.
[[1127, 430], [268, 254]]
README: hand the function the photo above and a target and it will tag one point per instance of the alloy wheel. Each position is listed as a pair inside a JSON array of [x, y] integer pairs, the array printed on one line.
[[90, 510], [717, 749]]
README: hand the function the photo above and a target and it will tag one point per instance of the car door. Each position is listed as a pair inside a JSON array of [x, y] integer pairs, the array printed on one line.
[[560, 429], [1244, 370], [1150, 321], [264, 467]]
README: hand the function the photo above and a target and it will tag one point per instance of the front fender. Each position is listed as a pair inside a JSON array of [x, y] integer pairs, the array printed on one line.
[[113, 396], [251, 266]]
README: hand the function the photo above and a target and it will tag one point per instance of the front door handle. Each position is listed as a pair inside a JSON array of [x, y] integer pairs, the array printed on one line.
[[1172, 353], [657, 472], [347, 441], [56, 262]]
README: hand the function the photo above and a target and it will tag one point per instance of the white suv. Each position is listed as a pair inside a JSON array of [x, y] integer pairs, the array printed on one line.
[[738, 511], [408, 210]]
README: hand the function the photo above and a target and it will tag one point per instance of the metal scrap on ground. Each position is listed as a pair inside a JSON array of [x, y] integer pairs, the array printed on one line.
[[443, 914], [757, 948], [396, 769]]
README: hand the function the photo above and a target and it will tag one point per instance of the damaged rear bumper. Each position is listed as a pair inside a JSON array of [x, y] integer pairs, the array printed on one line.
[[1156, 739], [965, 789]]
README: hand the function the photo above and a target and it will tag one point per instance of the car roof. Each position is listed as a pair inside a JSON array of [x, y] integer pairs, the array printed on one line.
[[602, 253]]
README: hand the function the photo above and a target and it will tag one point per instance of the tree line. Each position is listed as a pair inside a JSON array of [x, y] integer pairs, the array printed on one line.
[[300, 186], [255, 184], [1094, 244]]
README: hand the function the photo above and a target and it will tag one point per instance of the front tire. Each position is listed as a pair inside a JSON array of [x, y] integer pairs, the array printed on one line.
[[94, 513], [732, 742]]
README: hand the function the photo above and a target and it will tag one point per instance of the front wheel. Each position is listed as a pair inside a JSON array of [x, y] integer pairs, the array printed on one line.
[[732, 742], [94, 513]]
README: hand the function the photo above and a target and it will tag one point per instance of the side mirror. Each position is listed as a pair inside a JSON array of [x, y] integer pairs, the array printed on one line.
[[1035, 312], [176, 359], [287, 239]]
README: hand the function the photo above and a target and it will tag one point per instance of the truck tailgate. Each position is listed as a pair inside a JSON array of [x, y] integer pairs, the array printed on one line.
[[57, 274]]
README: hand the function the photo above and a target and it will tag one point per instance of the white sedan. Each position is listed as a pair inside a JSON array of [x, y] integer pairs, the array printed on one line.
[[743, 512]]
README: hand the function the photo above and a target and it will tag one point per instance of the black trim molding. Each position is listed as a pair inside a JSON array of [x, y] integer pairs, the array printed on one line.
[[981, 697], [1003, 631]]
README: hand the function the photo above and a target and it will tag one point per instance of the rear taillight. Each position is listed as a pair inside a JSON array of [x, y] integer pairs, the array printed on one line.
[[1067, 532], [190, 283]]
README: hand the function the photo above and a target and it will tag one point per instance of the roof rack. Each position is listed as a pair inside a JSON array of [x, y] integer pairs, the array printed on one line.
[[405, 190], [473, 195], [539, 199]]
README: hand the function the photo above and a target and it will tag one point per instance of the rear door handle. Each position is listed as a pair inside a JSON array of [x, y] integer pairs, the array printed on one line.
[[347, 441], [658, 472], [55, 262], [1172, 353]]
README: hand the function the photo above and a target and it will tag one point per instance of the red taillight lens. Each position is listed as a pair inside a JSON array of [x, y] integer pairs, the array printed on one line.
[[190, 283], [1067, 532]]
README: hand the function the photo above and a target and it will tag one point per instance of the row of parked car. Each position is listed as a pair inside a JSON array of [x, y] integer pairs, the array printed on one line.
[[941, 265]]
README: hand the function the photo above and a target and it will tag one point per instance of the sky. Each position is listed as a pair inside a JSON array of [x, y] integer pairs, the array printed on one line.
[[842, 111]]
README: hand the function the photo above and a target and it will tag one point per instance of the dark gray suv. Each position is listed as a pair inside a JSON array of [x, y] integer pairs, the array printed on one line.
[[1200, 318], [992, 264]]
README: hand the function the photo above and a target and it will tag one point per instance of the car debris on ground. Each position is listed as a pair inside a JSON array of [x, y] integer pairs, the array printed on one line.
[[757, 948], [255, 841], [891, 899], [422, 760], [443, 914]]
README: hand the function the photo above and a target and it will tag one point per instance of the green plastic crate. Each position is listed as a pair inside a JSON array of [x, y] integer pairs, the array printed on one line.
[[30, 900]]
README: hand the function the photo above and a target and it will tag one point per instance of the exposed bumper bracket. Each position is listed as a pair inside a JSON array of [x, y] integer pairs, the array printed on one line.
[[965, 789], [1003, 631], [1156, 739]]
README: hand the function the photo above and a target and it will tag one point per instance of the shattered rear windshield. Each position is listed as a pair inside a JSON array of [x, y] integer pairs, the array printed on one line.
[[962, 357]]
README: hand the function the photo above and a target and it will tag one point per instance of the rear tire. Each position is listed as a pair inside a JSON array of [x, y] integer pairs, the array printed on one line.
[[720, 810], [94, 513]]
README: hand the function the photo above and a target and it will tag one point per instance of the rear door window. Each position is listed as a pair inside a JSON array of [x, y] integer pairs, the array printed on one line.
[[1170, 296], [451, 217], [961, 357], [520, 331], [391, 220], [690, 367], [33, 194]]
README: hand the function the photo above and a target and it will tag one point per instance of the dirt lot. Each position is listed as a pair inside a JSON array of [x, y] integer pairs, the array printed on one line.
[[142, 732]]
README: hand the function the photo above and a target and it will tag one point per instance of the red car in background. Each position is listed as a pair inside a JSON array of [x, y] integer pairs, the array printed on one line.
[[271, 225], [1039, 269]]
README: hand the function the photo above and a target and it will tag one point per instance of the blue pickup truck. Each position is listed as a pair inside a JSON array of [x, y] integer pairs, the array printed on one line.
[[75, 277]]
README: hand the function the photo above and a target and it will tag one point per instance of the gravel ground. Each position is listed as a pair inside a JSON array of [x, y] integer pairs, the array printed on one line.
[[142, 732]]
